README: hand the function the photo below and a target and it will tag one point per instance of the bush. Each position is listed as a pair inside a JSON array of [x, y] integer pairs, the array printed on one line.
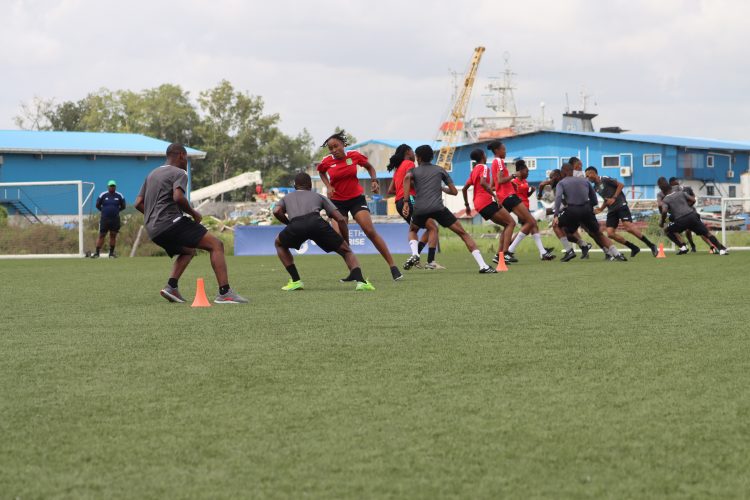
[[3, 216]]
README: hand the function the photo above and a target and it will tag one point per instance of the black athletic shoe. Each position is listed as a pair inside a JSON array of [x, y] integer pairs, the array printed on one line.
[[396, 274], [549, 249], [634, 251], [569, 255], [348, 279], [548, 256], [488, 270], [510, 258], [585, 251], [620, 257], [654, 250], [496, 259], [692, 248], [411, 262], [683, 251]]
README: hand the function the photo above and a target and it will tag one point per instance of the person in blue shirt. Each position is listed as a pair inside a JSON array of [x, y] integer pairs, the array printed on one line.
[[109, 203]]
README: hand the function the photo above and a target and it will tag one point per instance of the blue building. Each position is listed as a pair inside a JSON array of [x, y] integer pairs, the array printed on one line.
[[711, 167], [92, 157]]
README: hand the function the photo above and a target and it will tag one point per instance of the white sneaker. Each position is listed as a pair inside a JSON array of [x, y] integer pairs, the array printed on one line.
[[433, 265]]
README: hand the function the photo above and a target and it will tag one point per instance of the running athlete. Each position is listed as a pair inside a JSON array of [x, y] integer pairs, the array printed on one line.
[[428, 180], [521, 186], [580, 198], [507, 197], [338, 171], [300, 211], [403, 161], [163, 203], [688, 234], [617, 211], [679, 205], [485, 199]]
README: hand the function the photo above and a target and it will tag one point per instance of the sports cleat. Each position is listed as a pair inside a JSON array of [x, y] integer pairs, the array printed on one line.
[[396, 274], [293, 285], [548, 256], [112, 256], [433, 265], [411, 262], [348, 279], [608, 257], [692, 248], [654, 250], [496, 259], [549, 249], [569, 255], [620, 257], [95, 256], [585, 251], [510, 258], [172, 294], [634, 251], [683, 251], [364, 286], [488, 270], [231, 297], [724, 252]]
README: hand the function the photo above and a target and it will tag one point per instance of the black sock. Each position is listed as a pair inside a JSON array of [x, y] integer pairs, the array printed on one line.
[[172, 282], [292, 270], [646, 241], [421, 246], [716, 243], [356, 273], [631, 246], [431, 254], [97, 250], [223, 289], [674, 239]]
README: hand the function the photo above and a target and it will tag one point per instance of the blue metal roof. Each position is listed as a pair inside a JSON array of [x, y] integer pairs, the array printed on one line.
[[393, 143], [89, 143], [668, 140]]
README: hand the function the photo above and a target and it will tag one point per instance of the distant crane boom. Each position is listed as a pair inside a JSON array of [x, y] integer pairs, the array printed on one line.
[[455, 124]]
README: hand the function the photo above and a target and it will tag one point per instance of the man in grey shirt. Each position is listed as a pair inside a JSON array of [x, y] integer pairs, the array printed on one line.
[[300, 211], [679, 204], [163, 203], [428, 180], [580, 198]]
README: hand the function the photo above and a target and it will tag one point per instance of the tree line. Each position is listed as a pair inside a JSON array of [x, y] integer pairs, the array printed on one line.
[[229, 125]]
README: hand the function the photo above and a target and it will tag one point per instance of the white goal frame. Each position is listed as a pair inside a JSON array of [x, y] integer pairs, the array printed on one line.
[[81, 202], [724, 205]]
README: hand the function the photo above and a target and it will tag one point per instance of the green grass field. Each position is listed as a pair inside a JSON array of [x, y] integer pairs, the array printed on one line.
[[578, 380]]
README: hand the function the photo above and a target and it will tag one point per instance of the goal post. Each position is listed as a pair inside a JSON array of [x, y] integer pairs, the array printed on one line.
[[735, 216], [47, 205]]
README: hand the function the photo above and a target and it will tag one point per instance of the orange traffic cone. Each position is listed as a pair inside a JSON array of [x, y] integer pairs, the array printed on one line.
[[200, 295], [661, 255], [501, 266]]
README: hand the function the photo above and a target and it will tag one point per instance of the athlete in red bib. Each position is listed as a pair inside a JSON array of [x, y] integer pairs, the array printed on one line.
[[338, 171], [485, 199], [506, 194], [402, 161]]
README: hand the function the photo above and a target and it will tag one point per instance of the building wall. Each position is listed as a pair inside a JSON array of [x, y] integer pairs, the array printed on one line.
[[128, 172]]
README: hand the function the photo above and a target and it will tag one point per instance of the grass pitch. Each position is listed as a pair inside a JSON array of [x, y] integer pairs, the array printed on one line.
[[578, 380]]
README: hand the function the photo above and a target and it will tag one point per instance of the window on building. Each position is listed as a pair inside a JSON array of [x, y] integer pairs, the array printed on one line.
[[710, 161], [652, 160], [611, 161], [710, 191], [531, 163], [732, 191]]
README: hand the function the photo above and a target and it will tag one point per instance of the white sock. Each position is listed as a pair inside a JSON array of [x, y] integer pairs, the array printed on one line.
[[519, 237], [539, 245], [565, 243], [478, 257], [414, 245], [613, 251]]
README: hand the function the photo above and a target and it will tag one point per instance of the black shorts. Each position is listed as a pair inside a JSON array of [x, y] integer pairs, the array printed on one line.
[[400, 208], [443, 217], [618, 214], [489, 211], [574, 216], [185, 233], [351, 206], [107, 224], [310, 227], [690, 222], [511, 202]]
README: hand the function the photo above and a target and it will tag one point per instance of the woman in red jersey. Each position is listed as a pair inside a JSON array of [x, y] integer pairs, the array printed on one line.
[[507, 197], [338, 171], [402, 161]]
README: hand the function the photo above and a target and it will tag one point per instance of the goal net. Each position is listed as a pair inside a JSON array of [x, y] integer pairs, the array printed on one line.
[[43, 219], [730, 217]]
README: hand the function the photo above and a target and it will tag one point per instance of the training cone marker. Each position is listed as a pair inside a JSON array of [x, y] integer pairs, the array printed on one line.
[[660, 254], [200, 295], [501, 266]]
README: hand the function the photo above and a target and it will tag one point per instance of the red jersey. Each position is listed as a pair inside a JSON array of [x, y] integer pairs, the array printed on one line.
[[522, 189], [343, 175], [500, 170], [481, 197], [398, 179]]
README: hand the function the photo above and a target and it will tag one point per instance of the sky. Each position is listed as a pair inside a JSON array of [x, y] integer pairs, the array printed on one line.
[[382, 69]]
